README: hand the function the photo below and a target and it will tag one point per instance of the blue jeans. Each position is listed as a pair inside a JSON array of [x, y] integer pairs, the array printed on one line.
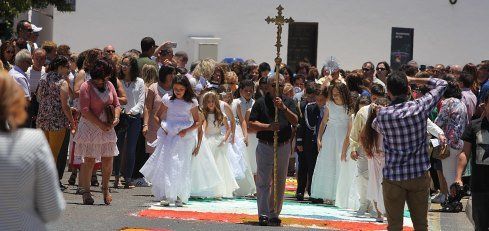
[[129, 139]]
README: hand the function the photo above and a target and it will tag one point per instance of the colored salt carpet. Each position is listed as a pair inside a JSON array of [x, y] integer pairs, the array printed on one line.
[[243, 211], [294, 214]]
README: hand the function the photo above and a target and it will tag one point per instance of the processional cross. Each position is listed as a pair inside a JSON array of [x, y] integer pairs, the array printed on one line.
[[279, 20]]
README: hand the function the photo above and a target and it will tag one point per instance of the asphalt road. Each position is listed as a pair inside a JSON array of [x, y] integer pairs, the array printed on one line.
[[127, 202]]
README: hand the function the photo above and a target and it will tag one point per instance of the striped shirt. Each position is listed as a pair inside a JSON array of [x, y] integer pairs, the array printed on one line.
[[30, 195], [403, 126]]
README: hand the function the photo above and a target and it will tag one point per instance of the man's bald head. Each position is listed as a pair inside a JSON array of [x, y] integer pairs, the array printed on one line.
[[271, 79], [38, 58], [109, 49]]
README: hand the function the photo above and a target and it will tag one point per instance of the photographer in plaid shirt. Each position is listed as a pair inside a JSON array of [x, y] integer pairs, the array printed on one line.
[[403, 126]]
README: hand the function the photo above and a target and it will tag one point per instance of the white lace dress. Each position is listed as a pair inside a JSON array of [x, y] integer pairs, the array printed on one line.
[[213, 139], [327, 169], [205, 175], [168, 168]]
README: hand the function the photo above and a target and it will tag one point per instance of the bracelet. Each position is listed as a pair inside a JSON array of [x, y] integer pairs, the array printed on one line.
[[145, 125]]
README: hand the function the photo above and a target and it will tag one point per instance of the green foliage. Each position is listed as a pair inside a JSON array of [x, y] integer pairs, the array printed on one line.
[[9, 9]]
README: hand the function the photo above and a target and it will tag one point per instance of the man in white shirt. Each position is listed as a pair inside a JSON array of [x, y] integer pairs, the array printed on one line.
[[35, 36], [23, 61]]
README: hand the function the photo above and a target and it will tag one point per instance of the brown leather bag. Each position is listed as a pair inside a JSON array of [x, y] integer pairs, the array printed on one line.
[[110, 113], [441, 152]]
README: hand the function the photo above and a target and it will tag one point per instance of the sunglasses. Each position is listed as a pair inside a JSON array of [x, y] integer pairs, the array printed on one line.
[[381, 69], [110, 51], [29, 30], [366, 69], [275, 85]]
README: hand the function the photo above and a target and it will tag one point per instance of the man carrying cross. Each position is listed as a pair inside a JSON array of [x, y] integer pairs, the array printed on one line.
[[273, 117], [261, 120]]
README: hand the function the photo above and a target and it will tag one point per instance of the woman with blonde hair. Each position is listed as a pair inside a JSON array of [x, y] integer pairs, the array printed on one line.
[[203, 73], [149, 74], [37, 200]]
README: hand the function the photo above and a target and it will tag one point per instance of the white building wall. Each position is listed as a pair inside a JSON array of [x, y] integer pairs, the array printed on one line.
[[352, 31]]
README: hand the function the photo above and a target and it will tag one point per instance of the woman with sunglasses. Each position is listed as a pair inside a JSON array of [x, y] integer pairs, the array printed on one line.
[[383, 69], [55, 116]]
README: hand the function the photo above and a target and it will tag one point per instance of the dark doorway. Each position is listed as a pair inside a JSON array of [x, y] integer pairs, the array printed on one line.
[[302, 43]]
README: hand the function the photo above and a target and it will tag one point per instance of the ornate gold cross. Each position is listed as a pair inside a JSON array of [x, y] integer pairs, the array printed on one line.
[[279, 20]]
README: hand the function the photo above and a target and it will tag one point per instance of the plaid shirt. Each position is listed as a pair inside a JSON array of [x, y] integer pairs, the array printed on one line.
[[403, 126]]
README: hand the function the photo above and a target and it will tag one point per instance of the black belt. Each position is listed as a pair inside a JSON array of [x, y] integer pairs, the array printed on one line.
[[271, 143]]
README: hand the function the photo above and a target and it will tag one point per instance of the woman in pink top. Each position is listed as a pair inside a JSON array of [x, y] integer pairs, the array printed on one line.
[[96, 139], [153, 101]]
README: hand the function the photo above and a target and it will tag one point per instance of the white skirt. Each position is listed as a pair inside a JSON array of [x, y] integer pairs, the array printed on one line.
[[205, 175], [346, 192], [229, 184], [374, 186], [93, 142], [251, 152], [168, 168], [236, 154], [327, 170]]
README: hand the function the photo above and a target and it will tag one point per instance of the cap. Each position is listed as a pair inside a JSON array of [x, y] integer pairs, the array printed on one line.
[[35, 28]]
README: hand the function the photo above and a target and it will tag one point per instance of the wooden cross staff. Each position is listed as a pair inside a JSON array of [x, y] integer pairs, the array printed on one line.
[[279, 20]]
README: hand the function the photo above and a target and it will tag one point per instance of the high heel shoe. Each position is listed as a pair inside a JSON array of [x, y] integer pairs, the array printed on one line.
[[107, 196], [87, 198]]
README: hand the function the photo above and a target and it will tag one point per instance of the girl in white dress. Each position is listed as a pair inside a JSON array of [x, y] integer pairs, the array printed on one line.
[[205, 175], [245, 103], [347, 196], [372, 143], [245, 179], [333, 140], [237, 146], [217, 143], [168, 168]]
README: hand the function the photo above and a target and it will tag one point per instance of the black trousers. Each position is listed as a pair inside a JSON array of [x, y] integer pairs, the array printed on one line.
[[141, 156], [63, 155], [480, 210], [307, 162]]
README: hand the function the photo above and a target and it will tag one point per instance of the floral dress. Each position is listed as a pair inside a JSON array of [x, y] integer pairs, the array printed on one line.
[[51, 116], [452, 118]]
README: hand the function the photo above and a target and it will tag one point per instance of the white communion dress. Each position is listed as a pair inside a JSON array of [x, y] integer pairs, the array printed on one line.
[[213, 139], [327, 169], [168, 168]]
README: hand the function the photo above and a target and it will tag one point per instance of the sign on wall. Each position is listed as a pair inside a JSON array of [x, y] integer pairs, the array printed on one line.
[[401, 46]]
